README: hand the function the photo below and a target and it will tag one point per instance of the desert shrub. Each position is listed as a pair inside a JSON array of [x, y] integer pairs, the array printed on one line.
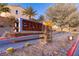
[[10, 50], [13, 39], [49, 40], [6, 34], [27, 44], [74, 34]]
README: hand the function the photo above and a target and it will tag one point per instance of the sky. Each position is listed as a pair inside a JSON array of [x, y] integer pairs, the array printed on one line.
[[39, 7]]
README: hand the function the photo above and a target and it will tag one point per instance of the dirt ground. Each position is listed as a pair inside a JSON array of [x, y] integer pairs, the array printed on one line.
[[3, 30]]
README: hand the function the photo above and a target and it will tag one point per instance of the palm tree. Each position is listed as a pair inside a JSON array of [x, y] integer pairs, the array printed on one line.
[[41, 18], [29, 12], [4, 8]]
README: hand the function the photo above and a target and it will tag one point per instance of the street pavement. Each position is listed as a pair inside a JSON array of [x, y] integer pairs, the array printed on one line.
[[76, 52], [6, 44]]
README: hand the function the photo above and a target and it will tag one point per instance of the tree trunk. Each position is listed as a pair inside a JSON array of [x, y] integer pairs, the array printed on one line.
[[29, 17], [61, 28], [69, 28]]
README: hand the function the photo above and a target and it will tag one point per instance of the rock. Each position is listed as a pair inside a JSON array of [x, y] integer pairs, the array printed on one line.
[[55, 52]]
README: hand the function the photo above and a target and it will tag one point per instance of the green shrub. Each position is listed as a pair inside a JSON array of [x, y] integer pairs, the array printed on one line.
[[13, 39]]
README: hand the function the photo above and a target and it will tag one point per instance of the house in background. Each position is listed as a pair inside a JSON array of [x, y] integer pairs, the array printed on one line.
[[15, 11]]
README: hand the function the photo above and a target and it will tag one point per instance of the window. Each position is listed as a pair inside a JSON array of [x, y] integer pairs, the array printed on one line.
[[16, 11]]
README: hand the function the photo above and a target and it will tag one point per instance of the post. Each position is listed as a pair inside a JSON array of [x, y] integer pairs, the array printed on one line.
[[47, 35], [20, 24], [44, 40]]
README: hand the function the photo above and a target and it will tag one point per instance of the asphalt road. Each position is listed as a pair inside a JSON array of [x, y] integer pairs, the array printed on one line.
[[76, 53], [74, 49], [6, 44]]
